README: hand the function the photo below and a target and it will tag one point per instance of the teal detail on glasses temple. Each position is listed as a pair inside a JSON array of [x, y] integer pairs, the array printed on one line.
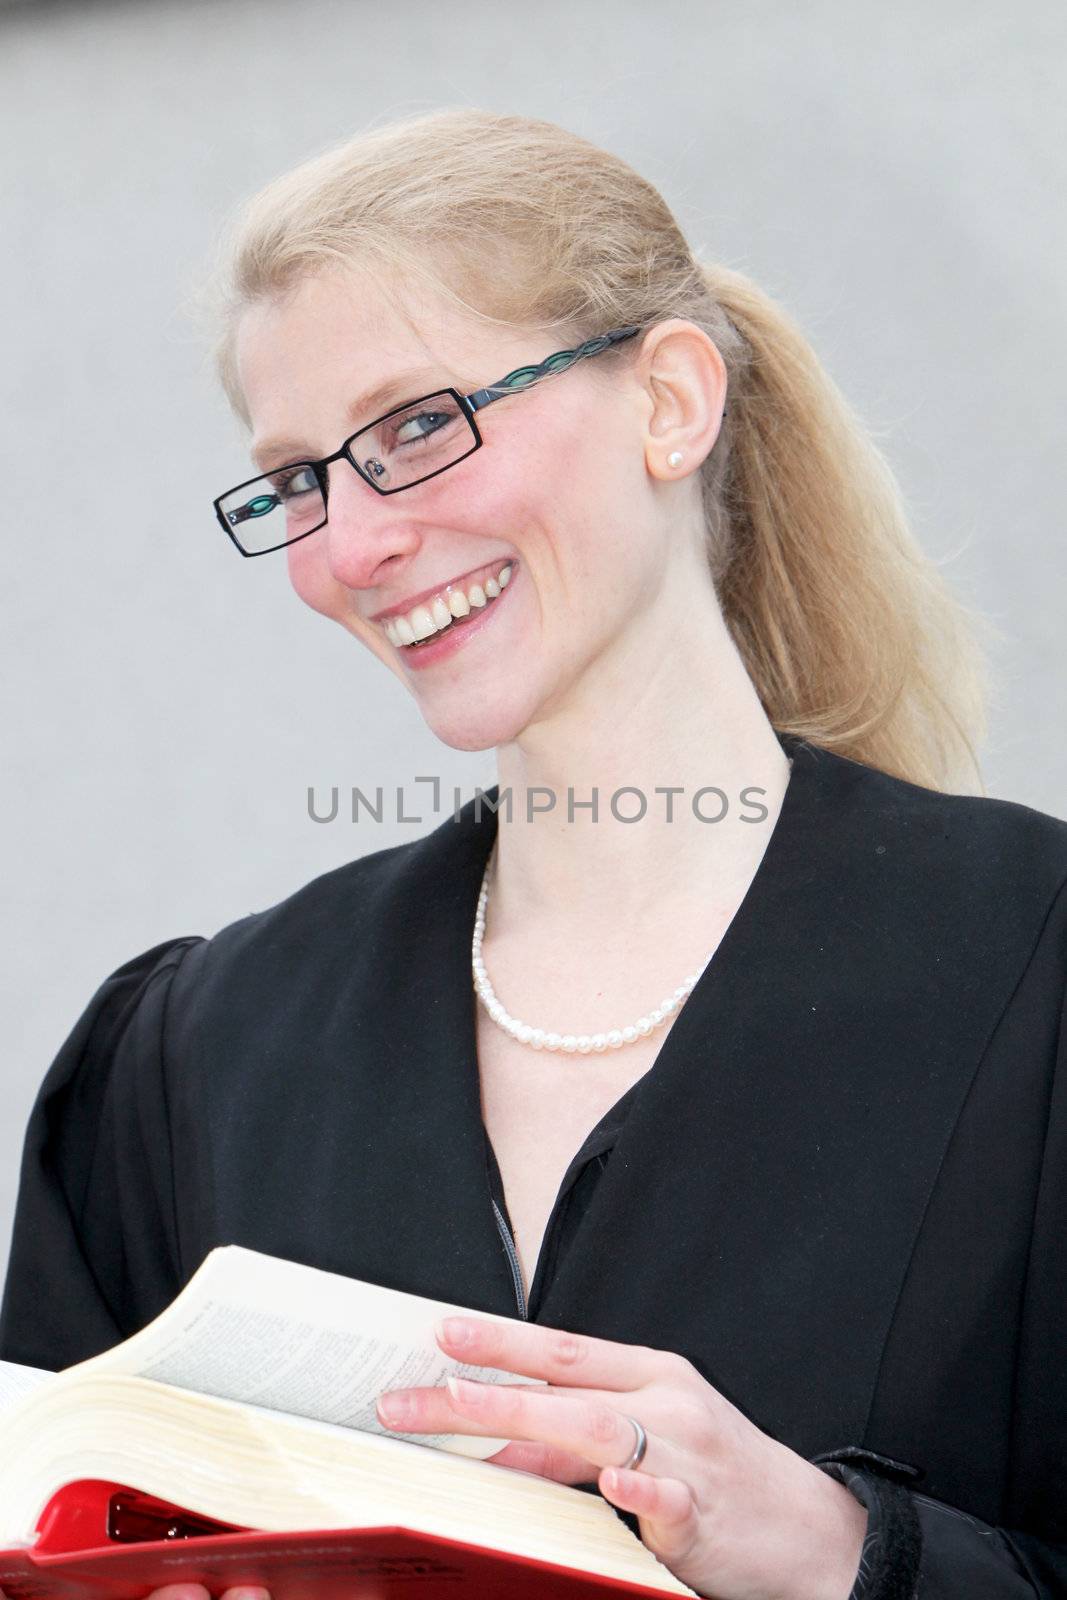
[[523, 377], [262, 504]]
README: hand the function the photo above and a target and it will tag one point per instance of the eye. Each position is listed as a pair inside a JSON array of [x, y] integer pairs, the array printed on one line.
[[293, 481], [421, 425]]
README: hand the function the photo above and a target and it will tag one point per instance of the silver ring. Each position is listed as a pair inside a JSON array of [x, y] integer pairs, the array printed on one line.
[[637, 1454]]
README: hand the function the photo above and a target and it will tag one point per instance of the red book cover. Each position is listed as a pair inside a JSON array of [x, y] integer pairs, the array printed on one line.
[[99, 1541]]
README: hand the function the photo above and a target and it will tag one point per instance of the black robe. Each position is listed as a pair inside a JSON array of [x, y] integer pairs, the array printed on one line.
[[841, 1191]]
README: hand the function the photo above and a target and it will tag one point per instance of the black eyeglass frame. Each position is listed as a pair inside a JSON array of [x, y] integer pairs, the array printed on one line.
[[515, 382]]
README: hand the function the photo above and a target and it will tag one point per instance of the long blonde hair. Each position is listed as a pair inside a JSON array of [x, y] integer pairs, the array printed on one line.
[[849, 632]]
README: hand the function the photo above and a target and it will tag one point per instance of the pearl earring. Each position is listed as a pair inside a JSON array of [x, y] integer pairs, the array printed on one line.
[[675, 458]]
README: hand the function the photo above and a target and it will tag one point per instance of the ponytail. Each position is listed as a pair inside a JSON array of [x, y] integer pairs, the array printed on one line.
[[849, 631]]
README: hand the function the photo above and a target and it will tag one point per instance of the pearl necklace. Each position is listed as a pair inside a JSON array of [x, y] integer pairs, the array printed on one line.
[[567, 1043]]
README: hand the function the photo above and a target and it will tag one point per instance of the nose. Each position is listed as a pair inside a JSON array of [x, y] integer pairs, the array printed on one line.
[[363, 529]]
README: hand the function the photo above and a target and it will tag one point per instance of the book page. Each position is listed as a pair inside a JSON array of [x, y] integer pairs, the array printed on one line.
[[16, 1382], [290, 1338]]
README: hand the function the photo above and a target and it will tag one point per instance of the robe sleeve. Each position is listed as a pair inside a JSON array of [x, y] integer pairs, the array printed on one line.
[[1026, 1557], [94, 1252], [916, 1548]]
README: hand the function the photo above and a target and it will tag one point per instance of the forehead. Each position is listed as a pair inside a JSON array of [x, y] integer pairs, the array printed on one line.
[[333, 311]]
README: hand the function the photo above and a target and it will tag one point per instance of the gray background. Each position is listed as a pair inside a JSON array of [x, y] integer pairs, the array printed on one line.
[[894, 174]]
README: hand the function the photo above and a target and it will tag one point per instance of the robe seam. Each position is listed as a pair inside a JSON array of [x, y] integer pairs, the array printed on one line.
[[175, 1230], [115, 1038], [1061, 894]]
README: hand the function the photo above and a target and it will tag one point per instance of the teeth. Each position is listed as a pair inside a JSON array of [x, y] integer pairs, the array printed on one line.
[[422, 621]]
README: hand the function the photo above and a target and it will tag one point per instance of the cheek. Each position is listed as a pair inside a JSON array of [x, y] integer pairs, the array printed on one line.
[[563, 474], [310, 577], [534, 479]]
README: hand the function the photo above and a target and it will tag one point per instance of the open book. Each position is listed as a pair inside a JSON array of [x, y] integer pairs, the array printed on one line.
[[250, 1402]]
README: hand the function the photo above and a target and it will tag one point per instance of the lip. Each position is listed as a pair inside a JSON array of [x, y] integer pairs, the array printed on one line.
[[418, 657], [404, 606]]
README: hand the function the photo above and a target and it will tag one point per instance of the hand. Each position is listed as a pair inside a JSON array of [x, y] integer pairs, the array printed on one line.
[[731, 1511]]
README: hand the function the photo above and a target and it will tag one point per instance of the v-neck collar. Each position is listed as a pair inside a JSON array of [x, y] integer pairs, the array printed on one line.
[[414, 1210], [608, 1126]]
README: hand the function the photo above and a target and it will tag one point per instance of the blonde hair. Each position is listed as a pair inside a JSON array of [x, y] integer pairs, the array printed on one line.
[[848, 631]]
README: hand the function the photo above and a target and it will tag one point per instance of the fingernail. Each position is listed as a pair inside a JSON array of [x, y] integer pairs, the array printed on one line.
[[454, 1331], [394, 1407], [464, 1393]]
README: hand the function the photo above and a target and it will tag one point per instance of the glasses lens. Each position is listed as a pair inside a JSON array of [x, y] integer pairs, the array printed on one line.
[[270, 511], [414, 443]]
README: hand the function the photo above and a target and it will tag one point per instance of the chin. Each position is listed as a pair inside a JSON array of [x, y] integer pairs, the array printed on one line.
[[483, 728]]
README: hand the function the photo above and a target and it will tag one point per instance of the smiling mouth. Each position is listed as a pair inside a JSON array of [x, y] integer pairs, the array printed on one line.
[[454, 607]]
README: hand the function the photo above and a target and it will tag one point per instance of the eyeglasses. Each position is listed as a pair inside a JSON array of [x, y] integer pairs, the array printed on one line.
[[410, 444]]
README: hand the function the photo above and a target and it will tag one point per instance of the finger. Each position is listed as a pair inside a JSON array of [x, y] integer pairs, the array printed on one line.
[[664, 1507], [545, 1462], [430, 1410], [533, 1351], [197, 1591], [425, 1411], [180, 1591], [585, 1427]]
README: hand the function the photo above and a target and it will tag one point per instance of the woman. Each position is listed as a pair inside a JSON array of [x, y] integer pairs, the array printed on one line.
[[599, 507]]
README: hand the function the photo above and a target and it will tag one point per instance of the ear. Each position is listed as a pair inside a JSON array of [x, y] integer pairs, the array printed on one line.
[[684, 378]]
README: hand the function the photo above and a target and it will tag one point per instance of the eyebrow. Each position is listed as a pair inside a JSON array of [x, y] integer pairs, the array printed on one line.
[[373, 401]]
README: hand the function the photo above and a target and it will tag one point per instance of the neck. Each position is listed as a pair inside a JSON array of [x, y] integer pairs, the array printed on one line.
[[692, 723]]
